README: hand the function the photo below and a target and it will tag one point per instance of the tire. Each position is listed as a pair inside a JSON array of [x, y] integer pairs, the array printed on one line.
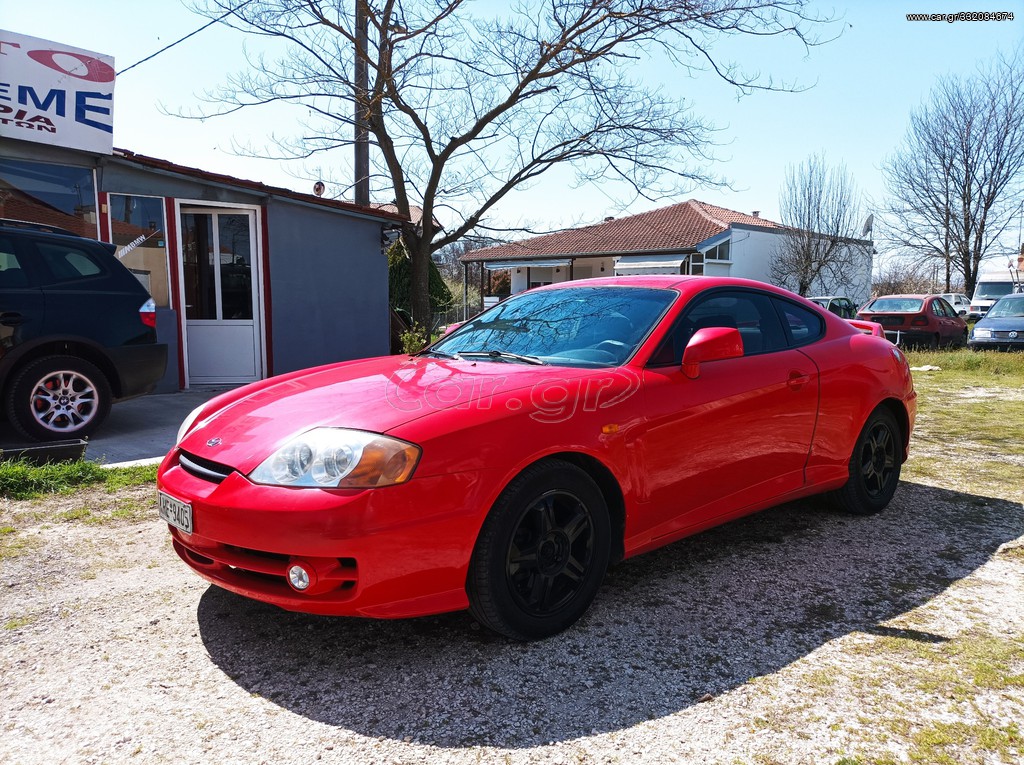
[[58, 397], [874, 466], [542, 553]]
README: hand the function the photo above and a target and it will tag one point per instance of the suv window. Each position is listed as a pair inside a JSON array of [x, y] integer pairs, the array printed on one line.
[[11, 274], [67, 263]]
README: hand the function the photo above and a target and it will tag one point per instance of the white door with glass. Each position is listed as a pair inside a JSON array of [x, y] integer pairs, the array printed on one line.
[[219, 267]]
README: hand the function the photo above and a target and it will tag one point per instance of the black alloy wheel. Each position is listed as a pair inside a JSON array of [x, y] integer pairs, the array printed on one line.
[[542, 553], [874, 466]]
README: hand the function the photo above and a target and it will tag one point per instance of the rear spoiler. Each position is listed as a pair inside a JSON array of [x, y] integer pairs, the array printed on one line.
[[868, 327]]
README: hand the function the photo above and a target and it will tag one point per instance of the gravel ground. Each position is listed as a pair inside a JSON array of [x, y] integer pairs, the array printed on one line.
[[794, 636]]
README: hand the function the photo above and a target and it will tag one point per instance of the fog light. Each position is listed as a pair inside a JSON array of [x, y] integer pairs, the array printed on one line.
[[298, 578]]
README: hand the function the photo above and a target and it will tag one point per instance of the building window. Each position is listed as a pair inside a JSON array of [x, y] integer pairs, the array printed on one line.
[[137, 228], [697, 264], [62, 196], [718, 252]]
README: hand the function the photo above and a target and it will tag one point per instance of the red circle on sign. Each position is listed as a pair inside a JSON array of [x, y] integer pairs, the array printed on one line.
[[96, 70]]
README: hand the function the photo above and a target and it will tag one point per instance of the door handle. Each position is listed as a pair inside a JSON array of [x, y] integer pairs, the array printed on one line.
[[11, 319], [797, 379]]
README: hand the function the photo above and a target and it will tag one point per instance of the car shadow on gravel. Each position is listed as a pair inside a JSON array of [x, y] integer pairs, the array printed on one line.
[[701, 616]]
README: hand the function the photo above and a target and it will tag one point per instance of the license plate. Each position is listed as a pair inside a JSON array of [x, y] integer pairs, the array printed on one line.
[[175, 512]]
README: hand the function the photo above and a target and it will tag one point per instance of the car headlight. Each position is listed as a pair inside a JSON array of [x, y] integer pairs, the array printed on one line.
[[339, 458], [983, 333], [187, 424]]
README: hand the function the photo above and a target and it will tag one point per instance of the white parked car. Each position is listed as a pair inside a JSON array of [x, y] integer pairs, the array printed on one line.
[[960, 302]]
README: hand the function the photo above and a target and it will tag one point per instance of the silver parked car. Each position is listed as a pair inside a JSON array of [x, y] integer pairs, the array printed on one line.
[[1002, 328]]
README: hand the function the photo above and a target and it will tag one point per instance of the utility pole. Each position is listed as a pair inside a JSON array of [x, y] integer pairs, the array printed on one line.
[[362, 142]]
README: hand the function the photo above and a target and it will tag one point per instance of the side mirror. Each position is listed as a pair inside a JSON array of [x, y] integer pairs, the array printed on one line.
[[451, 328], [962, 312], [711, 344]]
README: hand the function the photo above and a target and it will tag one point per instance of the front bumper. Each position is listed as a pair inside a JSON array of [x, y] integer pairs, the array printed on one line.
[[395, 552], [997, 344]]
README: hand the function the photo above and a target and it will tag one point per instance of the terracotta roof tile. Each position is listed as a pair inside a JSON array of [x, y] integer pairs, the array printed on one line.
[[675, 228]]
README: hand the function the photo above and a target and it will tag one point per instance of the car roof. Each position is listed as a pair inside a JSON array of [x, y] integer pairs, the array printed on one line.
[[50, 233], [688, 285]]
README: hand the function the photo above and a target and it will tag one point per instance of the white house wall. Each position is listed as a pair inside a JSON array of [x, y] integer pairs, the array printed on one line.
[[751, 253], [583, 268]]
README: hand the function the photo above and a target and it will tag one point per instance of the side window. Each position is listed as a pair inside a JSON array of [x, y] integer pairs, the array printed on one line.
[[801, 324], [750, 312], [11, 274], [67, 263]]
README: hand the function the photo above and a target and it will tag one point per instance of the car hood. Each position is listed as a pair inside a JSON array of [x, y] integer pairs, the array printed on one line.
[[1007, 323], [376, 395]]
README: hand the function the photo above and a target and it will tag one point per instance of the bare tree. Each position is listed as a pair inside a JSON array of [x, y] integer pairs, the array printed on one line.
[[461, 108], [957, 182], [902, 276], [821, 252]]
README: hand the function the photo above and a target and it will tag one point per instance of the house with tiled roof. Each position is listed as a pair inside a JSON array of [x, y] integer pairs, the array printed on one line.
[[691, 237]]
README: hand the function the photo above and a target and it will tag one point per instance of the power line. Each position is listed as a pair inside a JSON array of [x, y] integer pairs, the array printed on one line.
[[190, 34]]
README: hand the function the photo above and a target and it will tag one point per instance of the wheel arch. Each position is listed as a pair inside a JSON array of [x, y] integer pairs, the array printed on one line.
[[64, 347], [899, 411], [610, 490]]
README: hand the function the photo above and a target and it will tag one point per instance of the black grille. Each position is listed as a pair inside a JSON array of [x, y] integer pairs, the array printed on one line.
[[208, 470]]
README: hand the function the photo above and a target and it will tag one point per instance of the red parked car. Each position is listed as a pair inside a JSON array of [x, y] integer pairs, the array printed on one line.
[[503, 468], [926, 320]]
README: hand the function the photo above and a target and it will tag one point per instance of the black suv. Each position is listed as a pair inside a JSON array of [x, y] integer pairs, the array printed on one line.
[[77, 332]]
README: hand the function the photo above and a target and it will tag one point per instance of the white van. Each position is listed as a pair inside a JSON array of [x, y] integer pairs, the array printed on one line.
[[992, 285]]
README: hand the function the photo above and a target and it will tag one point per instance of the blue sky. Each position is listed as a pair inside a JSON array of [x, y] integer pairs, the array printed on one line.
[[861, 88]]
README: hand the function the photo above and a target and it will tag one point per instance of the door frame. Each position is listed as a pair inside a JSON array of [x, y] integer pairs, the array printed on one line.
[[258, 261]]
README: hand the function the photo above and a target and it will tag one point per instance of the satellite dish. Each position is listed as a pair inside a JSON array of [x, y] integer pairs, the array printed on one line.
[[318, 188], [869, 224]]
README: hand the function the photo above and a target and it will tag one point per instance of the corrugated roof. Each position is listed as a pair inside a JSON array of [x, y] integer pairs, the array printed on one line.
[[677, 228], [337, 204]]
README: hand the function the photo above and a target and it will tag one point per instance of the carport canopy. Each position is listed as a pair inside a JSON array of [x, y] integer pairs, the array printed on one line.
[[636, 265]]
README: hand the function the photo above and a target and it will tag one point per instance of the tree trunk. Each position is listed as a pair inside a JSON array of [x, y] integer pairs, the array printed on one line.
[[419, 257]]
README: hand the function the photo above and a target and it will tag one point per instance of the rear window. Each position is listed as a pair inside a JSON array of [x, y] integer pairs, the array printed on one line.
[[67, 263], [895, 305]]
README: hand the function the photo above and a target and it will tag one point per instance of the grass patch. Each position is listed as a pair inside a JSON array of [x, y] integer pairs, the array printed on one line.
[[22, 480], [965, 435], [18, 622], [979, 364]]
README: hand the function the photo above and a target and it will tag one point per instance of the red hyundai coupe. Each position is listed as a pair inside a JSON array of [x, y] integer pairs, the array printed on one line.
[[507, 465]]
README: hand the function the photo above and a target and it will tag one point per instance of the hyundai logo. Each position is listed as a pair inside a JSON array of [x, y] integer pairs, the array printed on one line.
[[1013, 335], [213, 442]]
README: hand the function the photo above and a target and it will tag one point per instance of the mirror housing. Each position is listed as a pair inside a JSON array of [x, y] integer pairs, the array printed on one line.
[[451, 328], [711, 344]]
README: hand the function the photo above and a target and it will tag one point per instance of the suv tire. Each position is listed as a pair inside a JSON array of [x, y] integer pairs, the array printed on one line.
[[57, 397]]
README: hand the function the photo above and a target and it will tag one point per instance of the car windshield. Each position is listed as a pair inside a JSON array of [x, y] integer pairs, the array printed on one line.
[[1008, 308], [896, 305], [576, 326], [992, 290]]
